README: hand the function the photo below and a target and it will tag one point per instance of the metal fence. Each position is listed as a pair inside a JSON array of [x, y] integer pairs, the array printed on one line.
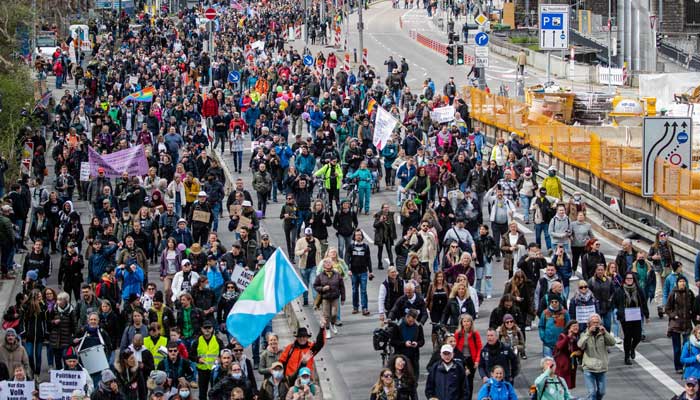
[[611, 159]]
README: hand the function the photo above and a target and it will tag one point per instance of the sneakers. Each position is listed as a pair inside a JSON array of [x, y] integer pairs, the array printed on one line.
[[328, 333], [334, 329], [355, 311], [528, 328], [618, 340], [365, 313]]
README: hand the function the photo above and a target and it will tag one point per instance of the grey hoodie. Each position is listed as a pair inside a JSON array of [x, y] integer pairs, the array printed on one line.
[[581, 232], [560, 230]]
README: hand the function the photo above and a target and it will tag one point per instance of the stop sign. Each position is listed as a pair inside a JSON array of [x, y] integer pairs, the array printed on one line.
[[210, 13]]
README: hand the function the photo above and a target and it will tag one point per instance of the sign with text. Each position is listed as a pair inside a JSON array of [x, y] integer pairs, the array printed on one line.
[[383, 127], [68, 381], [242, 276], [443, 114], [84, 171], [132, 160], [13, 390], [554, 26]]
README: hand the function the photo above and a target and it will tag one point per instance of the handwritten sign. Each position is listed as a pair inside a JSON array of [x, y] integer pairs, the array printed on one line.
[[49, 390], [12, 390], [243, 221], [84, 171], [584, 312], [235, 209], [132, 160], [633, 314], [242, 277], [68, 381], [443, 114], [201, 216]]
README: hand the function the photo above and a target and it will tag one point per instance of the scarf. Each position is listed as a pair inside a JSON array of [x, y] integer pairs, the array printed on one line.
[[229, 295], [584, 297], [631, 297], [694, 341]]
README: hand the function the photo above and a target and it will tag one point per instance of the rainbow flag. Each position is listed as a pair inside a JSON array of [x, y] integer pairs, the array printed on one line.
[[370, 105], [145, 95]]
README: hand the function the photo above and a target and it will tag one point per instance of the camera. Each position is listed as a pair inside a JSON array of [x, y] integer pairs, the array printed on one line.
[[595, 330]]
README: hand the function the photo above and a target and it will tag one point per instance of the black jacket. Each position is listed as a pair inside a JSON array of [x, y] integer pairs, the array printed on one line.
[[499, 354], [359, 258], [402, 304], [345, 223], [450, 316]]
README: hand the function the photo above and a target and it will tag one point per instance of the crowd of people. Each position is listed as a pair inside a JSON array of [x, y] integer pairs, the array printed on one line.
[[450, 223]]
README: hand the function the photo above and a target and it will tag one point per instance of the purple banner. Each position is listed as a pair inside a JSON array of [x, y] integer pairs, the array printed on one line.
[[132, 160]]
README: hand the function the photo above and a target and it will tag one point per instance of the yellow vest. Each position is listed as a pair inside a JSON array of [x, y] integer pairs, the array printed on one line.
[[153, 347], [208, 351]]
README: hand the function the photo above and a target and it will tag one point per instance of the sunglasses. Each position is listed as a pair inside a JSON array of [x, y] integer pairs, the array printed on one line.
[[583, 287], [453, 247], [387, 376], [238, 350], [509, 322], [230, 287], [172, 351]]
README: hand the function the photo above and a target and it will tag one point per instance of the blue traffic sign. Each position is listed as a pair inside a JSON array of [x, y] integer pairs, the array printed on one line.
[[682, 137], [552, 21], [308, 60], [234, 76], [481, 39]]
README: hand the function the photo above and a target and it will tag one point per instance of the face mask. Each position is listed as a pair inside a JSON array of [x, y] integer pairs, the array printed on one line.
[[184, 394], [552, 173], [577, 198], [277, 374], [305, 381], [662, 240], [237, 375]]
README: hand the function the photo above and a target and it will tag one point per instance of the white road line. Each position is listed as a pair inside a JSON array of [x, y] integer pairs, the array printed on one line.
[[670, 383], [368, 238]]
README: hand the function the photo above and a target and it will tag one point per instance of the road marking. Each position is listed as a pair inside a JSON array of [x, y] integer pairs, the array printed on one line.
[[368, 238], [657, 373]]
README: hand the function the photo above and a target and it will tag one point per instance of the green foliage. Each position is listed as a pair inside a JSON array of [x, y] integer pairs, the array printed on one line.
[[524, 40], [17, 94]]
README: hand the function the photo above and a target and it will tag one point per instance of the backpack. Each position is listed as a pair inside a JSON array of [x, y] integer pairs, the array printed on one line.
[[538, 394]]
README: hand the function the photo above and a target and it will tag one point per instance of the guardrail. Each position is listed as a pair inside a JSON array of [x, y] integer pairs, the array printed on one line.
[[428, 42], [679, 56]]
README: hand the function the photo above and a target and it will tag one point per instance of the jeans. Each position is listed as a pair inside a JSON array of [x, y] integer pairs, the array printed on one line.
[[220, 136], [34, 353], [396, 94], [359, 287], [216, 210], [59, 81], [275, 183], [525, 203], [399, 196], [606, 319], [237, 160], [308, 275], [615, 323], [364, 194], [343, 245], [256, 343], [484, 278], [539, 228], [677, 339], [302, 215], [262, 201], [595, 384], [547, 351]]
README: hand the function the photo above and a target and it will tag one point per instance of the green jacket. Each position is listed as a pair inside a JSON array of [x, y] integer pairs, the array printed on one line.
[[595, 351], [551, 388], [325, 171]]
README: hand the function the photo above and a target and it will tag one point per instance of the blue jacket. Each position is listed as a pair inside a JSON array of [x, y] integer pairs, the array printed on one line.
[[251, 115], [551, 326], [565, 270], [689, 359], [98, 263], [697, 267], [133, 281], [364, 176], [447, 385], [405, 174], [389, 152], [305, 164], [496, 390], [479, 141], [316, 119], [183, 236], [670, 283], [284, 153]]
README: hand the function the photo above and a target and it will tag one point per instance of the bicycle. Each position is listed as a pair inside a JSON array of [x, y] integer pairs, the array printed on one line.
[[353, 195], [323, 194]]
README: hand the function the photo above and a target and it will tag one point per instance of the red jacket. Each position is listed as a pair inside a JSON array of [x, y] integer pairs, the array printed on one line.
[[475, 344], [240, 123], [332, 62], [58, 68], [210, 107]]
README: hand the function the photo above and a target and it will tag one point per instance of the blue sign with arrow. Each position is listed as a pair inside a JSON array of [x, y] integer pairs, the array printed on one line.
[[308, 60], [234, 76], [481, 39]]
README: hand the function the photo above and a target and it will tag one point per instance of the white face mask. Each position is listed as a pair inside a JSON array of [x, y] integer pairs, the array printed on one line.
[[277, 374], [184, 394]]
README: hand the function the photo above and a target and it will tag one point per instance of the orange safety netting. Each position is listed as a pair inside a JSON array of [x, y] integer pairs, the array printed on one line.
[[610, 159]]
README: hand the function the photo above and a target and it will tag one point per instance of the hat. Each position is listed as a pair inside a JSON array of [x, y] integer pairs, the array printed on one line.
[[181, 220], [543, 190], [32, 275], [247, 203], [196, 248], [302, 332], [552, 168], [508, 317], [11, 332], [691, 381], [308, 231], [156, 379], [184, 262], [412, 313], [304, 371], [264, 236], [276, 364], [108, 376], [159, 391], [202, 194], [207, 324], [70, 354], [100, 170], [446, 348]]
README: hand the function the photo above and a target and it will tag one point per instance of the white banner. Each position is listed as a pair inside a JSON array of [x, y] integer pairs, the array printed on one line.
[[443, 114], [16, 390], [383, 127], [242, 277]]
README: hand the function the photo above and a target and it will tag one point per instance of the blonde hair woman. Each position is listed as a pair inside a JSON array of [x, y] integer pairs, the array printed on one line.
[[384, 389]]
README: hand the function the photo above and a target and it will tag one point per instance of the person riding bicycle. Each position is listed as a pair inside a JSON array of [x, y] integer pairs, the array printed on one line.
[[375, 167], [332, 176]]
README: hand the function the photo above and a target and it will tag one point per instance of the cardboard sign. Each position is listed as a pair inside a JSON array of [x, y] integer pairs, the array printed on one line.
[[201, 216], [235, 209], [84, 171], [242, 277], [12, 390], [443, 114], [243, 221]]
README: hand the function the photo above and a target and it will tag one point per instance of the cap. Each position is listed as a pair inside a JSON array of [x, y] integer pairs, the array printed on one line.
[[100, 170], [185, 262], [508, 317], [181, 220], [211, 257], [543, 190], [446, 348], [302, 332], [202, 194], [247, 203], [158, 391], [207, 324], [32, 275], [276, 364], [308, 231], [304, 371], [11, 332], [108, 376], [552, 168], [264, 236], [691, 381]]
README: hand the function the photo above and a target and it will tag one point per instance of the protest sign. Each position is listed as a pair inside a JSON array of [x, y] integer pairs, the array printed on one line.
[[67, 381], [49, 390], [16, 390], [584, 312], [84, 171], [201, 216], [383, 127], [132, 160], [242, 277], [243, 221], [235, 209], [443, 114]]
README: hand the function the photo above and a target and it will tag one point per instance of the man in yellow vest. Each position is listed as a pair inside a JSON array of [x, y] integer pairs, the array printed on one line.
[[204, 351], [155, 343]]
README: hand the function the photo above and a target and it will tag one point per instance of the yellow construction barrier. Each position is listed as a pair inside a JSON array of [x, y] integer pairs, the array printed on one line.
[[610, 159]]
